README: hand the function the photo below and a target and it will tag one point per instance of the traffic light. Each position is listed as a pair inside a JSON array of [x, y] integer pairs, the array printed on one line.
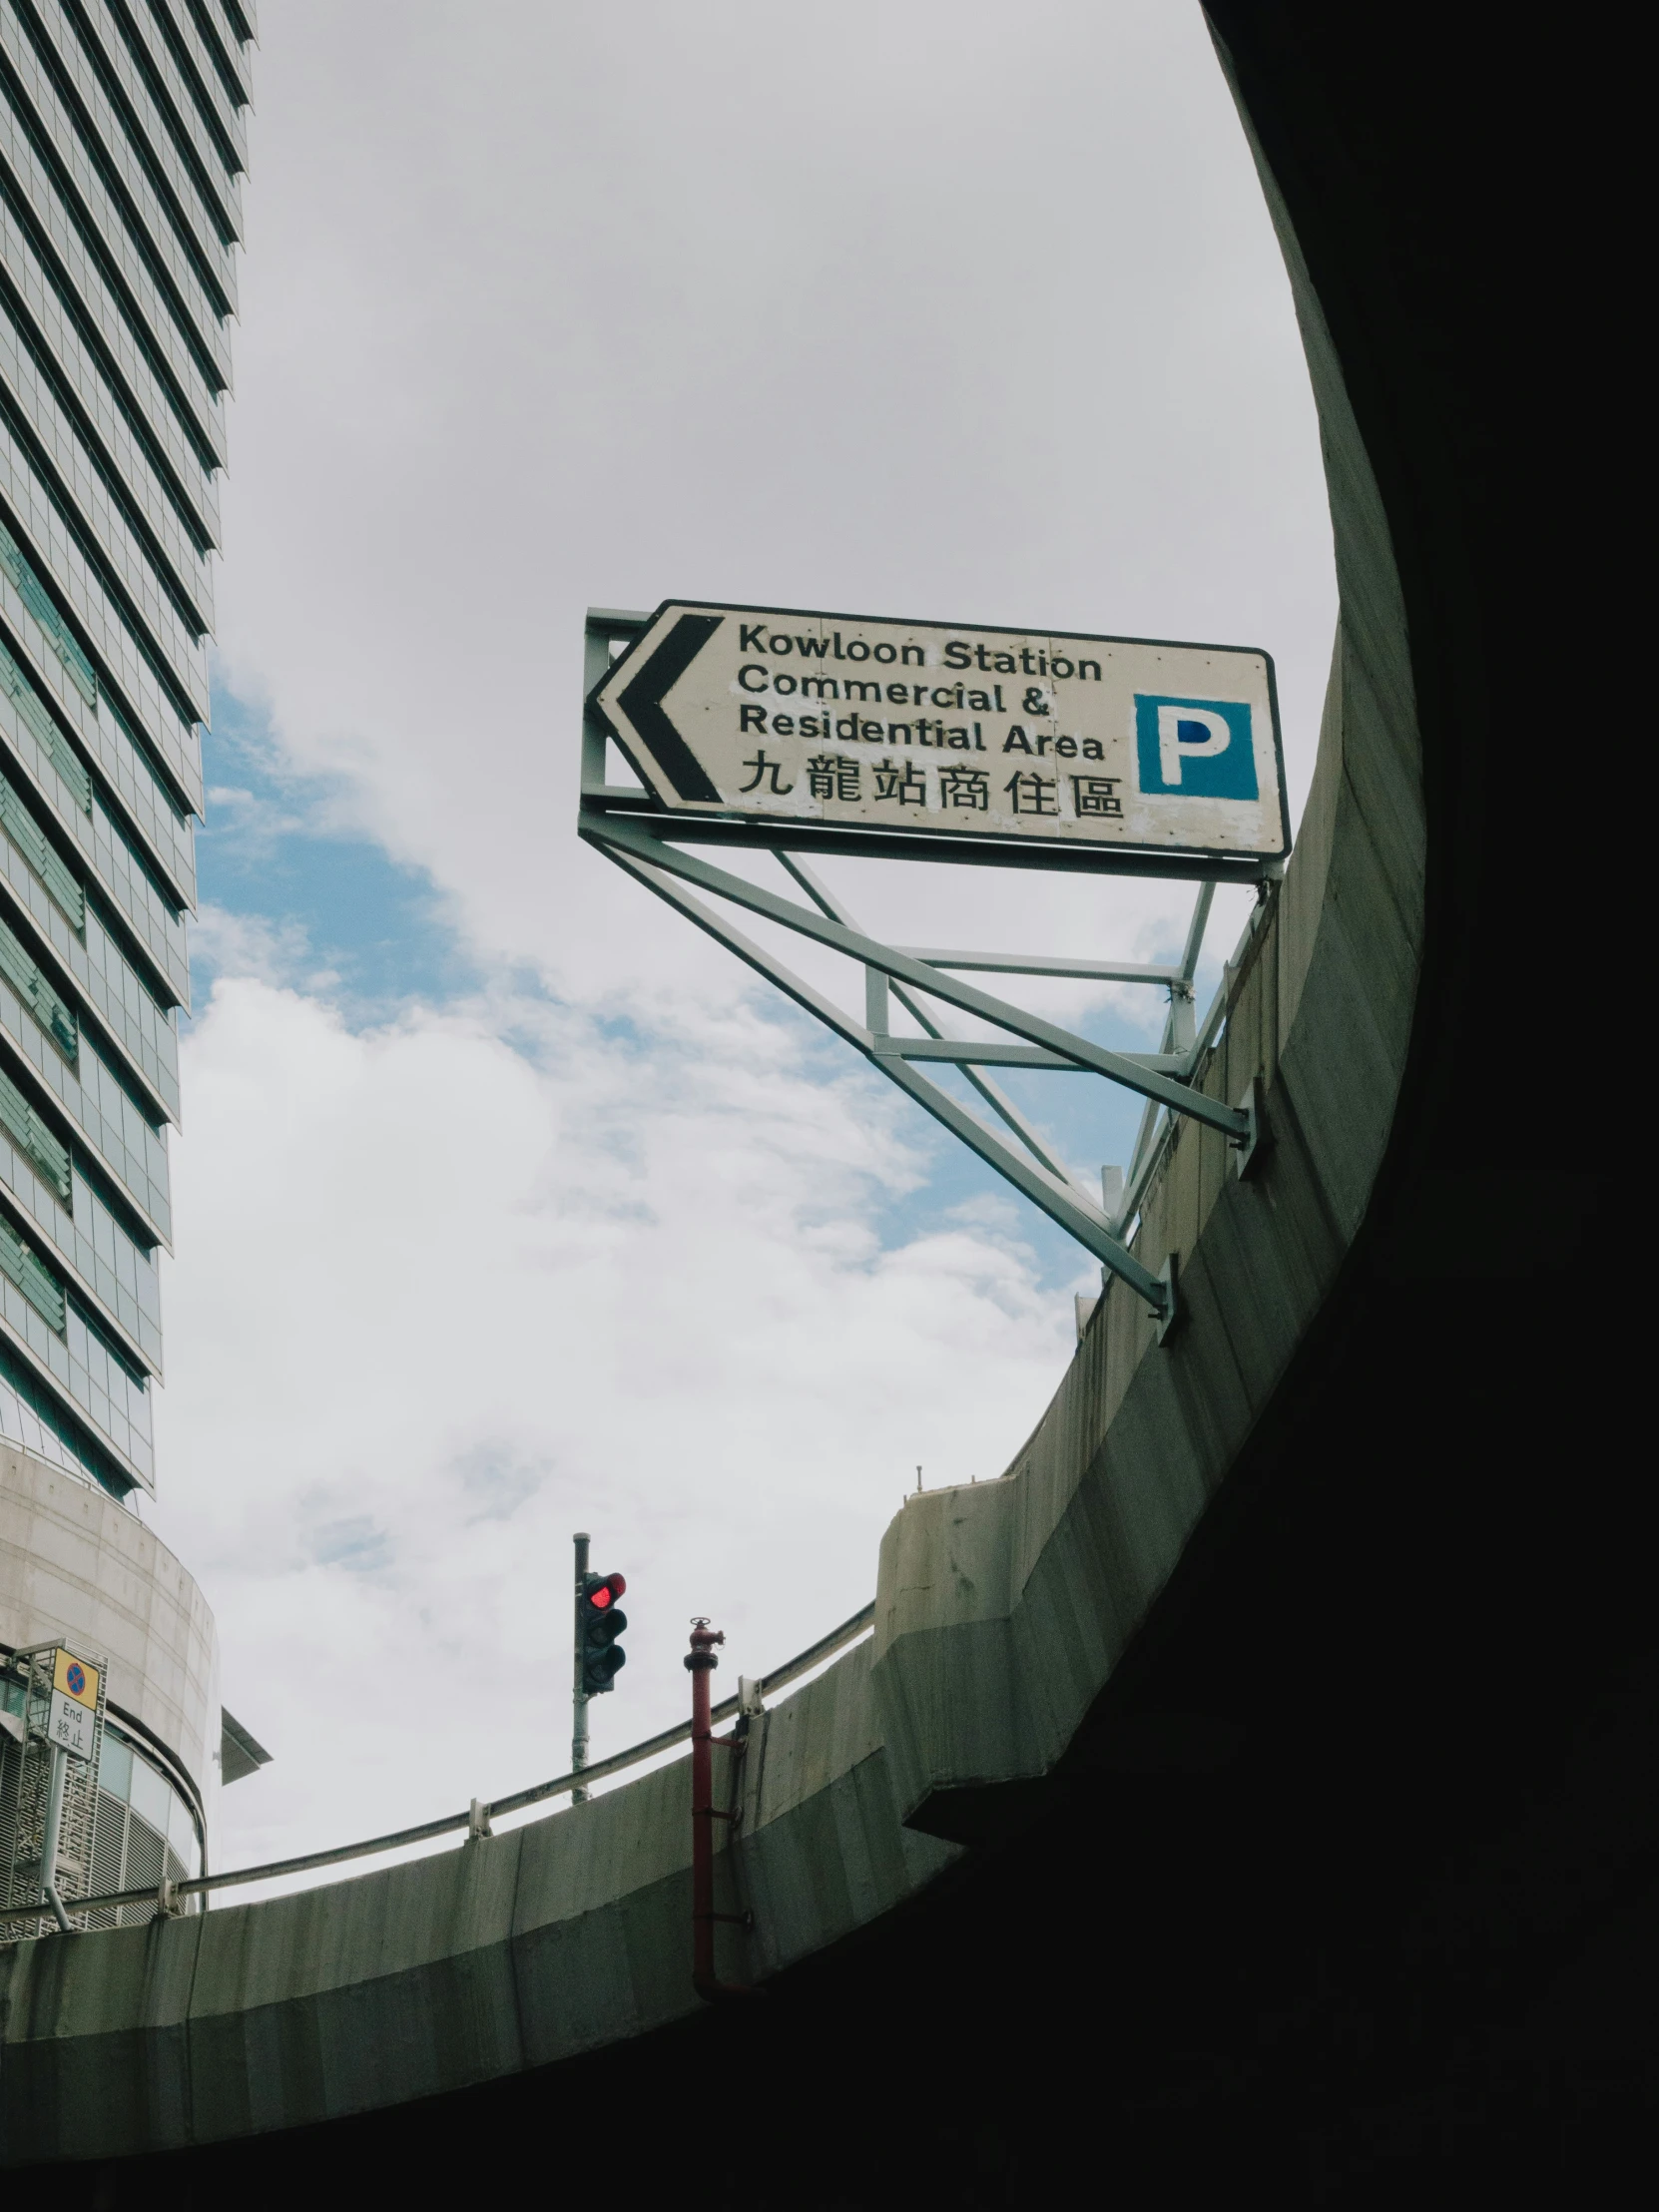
[[601, 1621]]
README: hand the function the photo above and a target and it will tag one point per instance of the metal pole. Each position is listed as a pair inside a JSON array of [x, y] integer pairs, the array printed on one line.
[[49, 1841], [579, 1696], [700, 1662]]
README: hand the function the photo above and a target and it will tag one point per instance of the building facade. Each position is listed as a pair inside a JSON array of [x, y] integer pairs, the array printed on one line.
[[123, 139], [81, 1570]]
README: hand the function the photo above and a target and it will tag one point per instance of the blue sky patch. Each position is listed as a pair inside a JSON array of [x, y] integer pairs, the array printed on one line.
[[271, 851]]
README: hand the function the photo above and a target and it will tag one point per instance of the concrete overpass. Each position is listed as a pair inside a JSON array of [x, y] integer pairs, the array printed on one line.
[[1258, 1777]]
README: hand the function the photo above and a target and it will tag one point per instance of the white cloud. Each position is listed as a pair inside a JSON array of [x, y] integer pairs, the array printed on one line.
[[445, 1300], [272, 950]]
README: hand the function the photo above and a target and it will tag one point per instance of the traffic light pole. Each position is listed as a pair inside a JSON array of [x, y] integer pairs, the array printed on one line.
[[579, 1696]]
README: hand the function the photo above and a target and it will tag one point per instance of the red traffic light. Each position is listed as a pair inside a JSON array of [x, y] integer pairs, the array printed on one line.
[[600, 1620]]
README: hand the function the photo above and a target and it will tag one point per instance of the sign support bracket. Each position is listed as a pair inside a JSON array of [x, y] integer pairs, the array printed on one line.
[[1034, 1170], [51, 1837]]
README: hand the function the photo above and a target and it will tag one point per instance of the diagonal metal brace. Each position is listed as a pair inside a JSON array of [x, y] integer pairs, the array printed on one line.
[[990, 1052], [997, 1099], [1179, 1097], [1053, 1194]]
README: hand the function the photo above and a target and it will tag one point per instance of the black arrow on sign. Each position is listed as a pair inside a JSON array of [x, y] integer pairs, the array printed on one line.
[[642, 704]]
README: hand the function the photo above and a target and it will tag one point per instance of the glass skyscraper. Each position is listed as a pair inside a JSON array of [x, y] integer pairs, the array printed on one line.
[[122, 149]]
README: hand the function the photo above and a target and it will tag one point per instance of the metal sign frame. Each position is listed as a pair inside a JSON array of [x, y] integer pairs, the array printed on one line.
[[634, 831], [51, 1799]]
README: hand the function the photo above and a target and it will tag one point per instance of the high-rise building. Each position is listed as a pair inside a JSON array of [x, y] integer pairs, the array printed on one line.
[[123, 137]]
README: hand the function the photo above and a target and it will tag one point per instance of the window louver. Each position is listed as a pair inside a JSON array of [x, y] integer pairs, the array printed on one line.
[[53, 743], [108, 1840], [43, 856], [41, 605], [38, 995], [38, 1285], [146, 1864], [20, 1118]]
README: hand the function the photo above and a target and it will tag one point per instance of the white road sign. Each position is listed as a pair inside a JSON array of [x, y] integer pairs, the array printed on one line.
[[839, 719], [71, 1724]]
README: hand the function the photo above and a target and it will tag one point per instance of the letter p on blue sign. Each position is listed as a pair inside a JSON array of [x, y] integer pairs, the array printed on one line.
[[1194, 748]]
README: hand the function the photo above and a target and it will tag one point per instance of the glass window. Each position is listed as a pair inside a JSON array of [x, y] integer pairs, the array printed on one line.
[[150, 1796], [180, 1829], [115, 1768]]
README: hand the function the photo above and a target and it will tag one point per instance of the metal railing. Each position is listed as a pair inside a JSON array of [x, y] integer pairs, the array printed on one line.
[[1153, 1139], [478, 1816]]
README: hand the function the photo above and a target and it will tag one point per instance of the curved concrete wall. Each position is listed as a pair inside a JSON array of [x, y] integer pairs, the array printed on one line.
[[1001, 1609], [76, 1564]]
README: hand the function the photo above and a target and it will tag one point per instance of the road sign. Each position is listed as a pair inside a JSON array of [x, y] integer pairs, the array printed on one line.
[[75, 1678], [74, 1708], [71, 1724], [953, 729]]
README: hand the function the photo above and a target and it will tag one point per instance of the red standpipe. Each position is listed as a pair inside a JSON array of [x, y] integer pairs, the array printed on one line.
[[700, 1662]]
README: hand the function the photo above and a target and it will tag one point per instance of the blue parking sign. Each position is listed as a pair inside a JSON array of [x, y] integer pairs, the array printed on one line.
[[1194, 748]]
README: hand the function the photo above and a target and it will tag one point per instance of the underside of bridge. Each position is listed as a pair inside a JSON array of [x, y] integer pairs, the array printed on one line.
[[1347, 1874]]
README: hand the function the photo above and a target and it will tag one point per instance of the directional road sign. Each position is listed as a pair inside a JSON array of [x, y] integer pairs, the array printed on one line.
[[771, 713]]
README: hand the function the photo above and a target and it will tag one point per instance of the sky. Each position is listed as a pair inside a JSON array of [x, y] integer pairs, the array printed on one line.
[[507, 1203]]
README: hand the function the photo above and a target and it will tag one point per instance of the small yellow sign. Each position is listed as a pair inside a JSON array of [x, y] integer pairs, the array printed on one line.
[[75, 1678]]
